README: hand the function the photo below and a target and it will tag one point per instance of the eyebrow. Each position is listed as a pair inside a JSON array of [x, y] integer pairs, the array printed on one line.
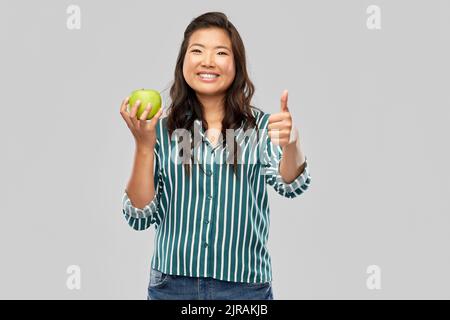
[[200, 45]]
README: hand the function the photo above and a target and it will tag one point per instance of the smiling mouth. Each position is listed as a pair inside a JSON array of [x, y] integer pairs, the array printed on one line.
[[210, 78], [207, 76]]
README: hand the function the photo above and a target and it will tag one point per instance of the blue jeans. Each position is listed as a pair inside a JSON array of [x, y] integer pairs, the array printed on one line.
[[172, 287]]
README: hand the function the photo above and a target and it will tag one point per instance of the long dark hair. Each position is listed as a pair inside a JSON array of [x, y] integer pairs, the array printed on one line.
[[185, 108]]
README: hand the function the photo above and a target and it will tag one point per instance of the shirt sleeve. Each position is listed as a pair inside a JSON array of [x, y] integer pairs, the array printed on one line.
[[142, 219], [273, 154]]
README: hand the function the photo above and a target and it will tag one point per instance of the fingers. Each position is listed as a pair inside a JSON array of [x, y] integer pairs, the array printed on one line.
[[143, 118], [279, 134], [282, 131], [153, 121], [146, 112], [277, 125], [283, 123], [124, 104], [156, 116], [143, 121], [134, 109], [279, 137], [133, 112], [280, 116], [280, 142], [124, 113]]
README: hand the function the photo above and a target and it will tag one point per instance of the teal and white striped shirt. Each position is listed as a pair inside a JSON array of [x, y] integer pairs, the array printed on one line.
[[213, 223]]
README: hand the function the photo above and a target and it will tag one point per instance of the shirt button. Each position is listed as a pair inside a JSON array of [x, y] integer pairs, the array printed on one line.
[[208, 172], [206, 245], [209, 197], [206, 221]]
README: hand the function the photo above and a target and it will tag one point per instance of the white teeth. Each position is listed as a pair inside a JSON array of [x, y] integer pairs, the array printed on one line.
[[206, 75]]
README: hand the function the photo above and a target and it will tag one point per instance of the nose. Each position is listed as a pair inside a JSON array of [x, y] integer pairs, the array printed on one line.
[[208, 60]]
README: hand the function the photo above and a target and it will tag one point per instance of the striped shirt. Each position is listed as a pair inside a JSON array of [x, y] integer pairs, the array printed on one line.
[[213, 223]]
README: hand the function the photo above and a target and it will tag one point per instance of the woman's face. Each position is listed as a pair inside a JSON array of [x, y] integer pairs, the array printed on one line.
[[209, 51]]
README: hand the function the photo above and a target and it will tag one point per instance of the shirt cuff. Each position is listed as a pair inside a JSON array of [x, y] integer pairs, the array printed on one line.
[[294, 188], [299, 181], [137, 213]]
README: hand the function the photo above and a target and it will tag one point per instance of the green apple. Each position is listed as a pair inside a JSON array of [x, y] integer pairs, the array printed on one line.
[[145, 96]]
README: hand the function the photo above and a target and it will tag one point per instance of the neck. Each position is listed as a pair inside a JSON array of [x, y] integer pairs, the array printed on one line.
[[214, 109]]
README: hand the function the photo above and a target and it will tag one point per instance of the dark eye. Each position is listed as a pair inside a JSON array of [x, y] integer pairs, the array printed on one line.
[[223, 53], [195, 50]]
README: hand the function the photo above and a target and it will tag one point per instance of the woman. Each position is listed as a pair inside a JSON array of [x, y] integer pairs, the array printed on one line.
[[210, 210]]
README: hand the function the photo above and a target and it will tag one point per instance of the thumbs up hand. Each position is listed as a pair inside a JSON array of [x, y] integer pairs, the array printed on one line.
[[281, 129]]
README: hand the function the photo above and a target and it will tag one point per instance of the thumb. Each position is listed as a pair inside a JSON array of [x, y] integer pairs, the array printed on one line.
[[284, 101]]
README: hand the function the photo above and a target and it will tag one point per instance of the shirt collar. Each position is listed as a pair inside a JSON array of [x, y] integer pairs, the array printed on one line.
[[198, 124]]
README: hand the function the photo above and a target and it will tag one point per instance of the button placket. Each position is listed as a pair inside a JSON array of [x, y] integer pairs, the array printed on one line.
[[214, 193], [208, 174]]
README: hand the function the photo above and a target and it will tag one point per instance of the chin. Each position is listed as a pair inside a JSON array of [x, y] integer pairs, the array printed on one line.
[[210, 92]]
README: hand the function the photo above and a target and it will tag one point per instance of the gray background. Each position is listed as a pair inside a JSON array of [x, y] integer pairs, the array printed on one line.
[[372, 107]]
